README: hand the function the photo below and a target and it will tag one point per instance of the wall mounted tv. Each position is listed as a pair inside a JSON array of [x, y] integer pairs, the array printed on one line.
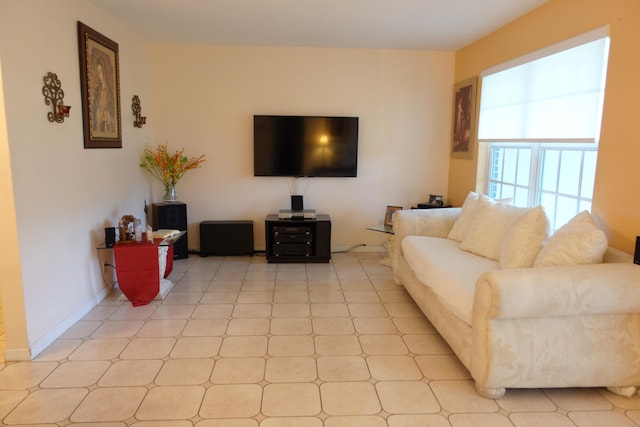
[[302, 146]]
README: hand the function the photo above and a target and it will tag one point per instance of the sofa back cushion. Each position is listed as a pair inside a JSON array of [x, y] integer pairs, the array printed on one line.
[[577, 242], [488, 227], [523, 239]]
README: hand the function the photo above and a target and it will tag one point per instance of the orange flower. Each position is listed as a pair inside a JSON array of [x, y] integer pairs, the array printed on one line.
[[168, 168]]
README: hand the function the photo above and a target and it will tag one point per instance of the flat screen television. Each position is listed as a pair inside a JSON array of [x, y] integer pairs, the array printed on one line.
[[305, 146]]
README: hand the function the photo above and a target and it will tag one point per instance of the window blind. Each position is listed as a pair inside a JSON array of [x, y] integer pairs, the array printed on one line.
[[553, 95]]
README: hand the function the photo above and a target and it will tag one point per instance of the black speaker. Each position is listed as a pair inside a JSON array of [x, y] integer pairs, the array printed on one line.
[[296, 203], [172, 216], [636, 257], [226, 238], [110, 236]]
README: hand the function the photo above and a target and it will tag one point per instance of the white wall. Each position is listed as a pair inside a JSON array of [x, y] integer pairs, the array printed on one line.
[[64, 194], [204, 99]]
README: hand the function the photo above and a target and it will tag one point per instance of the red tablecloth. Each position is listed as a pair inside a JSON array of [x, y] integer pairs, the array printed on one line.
[[138, 270]]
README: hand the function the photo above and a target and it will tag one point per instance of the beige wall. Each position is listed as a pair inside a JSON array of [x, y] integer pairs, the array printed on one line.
[[204, 99], [616, 203]]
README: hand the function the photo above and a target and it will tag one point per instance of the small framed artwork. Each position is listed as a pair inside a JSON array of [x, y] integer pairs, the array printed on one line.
[[464, 116], [388, 218], [100, 88]]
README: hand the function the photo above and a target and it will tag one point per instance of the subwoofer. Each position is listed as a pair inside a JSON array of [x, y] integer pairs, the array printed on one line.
[[636, 257]]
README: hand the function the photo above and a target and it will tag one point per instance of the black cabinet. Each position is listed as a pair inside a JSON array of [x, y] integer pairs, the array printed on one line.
[[172, 216], [298, 240]]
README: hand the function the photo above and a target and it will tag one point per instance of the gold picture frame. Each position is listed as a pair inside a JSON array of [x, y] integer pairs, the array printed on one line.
[[388, 217], [100, 87], [464, 117]]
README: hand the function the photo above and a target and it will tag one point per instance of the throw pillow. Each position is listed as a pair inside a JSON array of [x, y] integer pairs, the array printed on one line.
[[577, 242], [461, 225], [489, 226], [523, 240]]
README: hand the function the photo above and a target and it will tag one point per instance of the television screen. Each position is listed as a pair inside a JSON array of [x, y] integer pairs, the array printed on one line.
[[305, 146]]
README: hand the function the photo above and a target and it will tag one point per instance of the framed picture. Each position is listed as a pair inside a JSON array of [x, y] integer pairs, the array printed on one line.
[[388, 218], [464, 116], [100, 84]]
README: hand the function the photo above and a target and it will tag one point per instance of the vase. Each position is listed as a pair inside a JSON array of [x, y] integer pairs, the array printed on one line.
[[170, 193]]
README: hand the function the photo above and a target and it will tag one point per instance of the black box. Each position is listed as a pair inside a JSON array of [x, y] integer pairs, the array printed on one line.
[[226, 238], [172, 216]]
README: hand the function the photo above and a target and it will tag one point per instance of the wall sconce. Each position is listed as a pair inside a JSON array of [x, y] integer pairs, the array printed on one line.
[[137, 110], [54, 96]]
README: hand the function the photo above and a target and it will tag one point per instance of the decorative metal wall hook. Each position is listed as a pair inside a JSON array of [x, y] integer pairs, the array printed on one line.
[[54, 96], [137, 110]]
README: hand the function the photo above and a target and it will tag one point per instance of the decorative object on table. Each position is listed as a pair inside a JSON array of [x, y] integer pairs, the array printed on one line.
[[126, 227], [436, 200], [464, 117], [169, 168], [100, 85], [388, 218], [137, 112], [54, 96]]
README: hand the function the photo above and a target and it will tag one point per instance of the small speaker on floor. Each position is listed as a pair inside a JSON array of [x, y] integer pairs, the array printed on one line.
[[110, 236], [636, 257], [296, 203]]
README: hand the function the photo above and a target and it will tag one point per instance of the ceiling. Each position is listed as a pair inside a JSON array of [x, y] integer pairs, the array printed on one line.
[[378, 24]]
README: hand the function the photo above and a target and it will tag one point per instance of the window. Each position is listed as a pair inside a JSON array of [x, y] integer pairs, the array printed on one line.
[[541, 117]]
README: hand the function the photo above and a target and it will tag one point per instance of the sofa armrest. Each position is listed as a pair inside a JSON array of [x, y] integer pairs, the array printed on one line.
[[420, 222], [558, 291]]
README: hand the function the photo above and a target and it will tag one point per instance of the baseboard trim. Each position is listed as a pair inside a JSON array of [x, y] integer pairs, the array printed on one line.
[[40, 345]]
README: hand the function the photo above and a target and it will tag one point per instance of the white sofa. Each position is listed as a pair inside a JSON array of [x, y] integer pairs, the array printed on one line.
[[529, 324]]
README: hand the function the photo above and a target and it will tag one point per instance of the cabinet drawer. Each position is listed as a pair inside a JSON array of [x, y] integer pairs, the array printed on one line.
[[293, 238]]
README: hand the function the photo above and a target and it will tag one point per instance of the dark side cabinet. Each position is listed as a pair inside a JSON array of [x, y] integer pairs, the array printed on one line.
[[172, 216], [298, 240]]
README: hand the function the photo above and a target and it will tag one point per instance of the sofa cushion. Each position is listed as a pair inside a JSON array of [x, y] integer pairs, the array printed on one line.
[[450, 272], [459, 229], [489, 226], [577, 242], [523, 239]]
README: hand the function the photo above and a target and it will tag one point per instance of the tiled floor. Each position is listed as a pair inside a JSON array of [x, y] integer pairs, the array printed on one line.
[[242, 343]]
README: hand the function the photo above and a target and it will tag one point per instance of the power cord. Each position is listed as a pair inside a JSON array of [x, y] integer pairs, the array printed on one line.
[[349, 249]]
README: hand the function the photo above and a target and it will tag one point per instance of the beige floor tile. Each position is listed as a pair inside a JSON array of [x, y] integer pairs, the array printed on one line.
[[632, 402], [213, 311], [479, 420], [338, 345], [537, 419], [248, 327], [367, 310], [383, 344], [418, 420], [290, 297], [232, 401], [118, 329], [219, 297], [442, 367], [76, 374], [355, 421], [256, 297], [109, 404], [196, 347], [349, 398], [183, 298], [99, 349], [173, 311], [9, 399], [81, 329], [374, 325], [25, 375], [524, 400], [291, 310], [244, 347], [224, 285], [403, 309], [407, 397], [291, 422], [393, 368], [352, 275], [290, 400], [185, 372], [171, 403], [427, 344], [134, 313], [162, 328], [291, 345], [325, 296], [47, 406], [343, 368], [205, 327], [148, 348], [291, 370], [333, 326], [414, 325], [394, 296], [335, 309], [59, 350], [255, 285], [291, 275], [461, 397], [357, 285], [100, 312], [238, 370], [578, 399], [252, 311], [291, 326], [244, 422], [131, 373], [361, 296]]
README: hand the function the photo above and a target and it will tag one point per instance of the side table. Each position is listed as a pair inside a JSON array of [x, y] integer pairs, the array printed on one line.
[[387, 229]]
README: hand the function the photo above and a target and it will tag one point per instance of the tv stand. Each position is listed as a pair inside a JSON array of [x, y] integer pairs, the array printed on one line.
[[298, 239]]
